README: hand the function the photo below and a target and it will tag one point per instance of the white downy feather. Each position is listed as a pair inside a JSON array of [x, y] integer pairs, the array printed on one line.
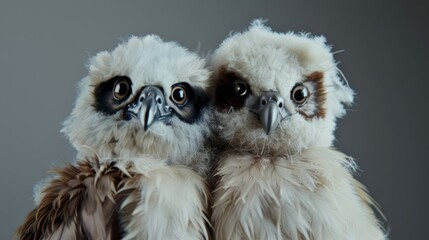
[[171, 205], [311, 196], [287, 184]]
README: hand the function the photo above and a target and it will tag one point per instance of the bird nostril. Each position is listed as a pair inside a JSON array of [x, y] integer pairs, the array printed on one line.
[[158, 100]]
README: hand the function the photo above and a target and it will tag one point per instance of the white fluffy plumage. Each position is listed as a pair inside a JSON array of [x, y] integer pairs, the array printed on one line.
[[146, 61], [142, 113], [281, 179], [171, 200]]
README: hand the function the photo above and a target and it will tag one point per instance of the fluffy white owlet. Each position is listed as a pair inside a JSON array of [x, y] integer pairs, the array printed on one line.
[[277, 97], [139, 126]]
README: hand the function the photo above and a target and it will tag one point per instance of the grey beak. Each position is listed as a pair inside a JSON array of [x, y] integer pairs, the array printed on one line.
[[150, 107], [270, 117], [271, 111], [148, 112]]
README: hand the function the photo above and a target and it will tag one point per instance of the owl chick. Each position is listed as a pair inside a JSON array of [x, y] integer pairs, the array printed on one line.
[[139, 126], [277, 97]]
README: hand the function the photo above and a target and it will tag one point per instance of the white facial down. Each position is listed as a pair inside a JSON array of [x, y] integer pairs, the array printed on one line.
[[144, 98], [276, 93]]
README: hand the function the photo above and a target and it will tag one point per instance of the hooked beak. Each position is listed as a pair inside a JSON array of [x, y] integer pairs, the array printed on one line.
[[270, 117], [149, 107], [271, 111]]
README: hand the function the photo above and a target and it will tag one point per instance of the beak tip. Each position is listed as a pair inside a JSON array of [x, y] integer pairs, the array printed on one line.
[[268, 130]]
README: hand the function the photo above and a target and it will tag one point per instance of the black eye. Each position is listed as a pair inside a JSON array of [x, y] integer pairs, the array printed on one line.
[[299, 94], [240, 88], [121, 89], [179, 95]]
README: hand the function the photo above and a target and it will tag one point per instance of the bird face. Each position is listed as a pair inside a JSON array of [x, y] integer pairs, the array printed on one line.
[[145, 98], [276, 93]]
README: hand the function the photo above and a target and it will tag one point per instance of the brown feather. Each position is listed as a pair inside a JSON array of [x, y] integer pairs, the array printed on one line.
[[130, 195], [79, 203]]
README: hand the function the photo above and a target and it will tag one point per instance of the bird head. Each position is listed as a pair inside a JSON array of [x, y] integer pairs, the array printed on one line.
[[145, 98], [276, 93]]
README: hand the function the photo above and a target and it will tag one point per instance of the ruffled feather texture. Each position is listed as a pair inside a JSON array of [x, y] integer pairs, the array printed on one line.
[[93, 200], [166, 203], [80, 202], [311, 195]]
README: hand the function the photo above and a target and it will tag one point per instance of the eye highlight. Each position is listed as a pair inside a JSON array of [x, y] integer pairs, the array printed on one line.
[[299, 94], [121, 89], [179, 95], [240, 88]]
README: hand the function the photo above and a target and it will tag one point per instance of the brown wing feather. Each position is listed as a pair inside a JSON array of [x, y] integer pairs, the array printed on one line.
[[79, 203]]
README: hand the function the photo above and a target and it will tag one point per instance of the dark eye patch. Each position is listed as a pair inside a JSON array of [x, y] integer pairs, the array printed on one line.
[[229, 90], [106, 99], [197, 99]]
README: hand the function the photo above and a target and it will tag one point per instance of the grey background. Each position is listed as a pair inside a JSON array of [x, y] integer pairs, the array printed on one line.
[[44, 46]]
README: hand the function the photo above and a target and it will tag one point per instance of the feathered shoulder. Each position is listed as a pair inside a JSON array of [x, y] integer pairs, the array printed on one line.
[[80, 202]]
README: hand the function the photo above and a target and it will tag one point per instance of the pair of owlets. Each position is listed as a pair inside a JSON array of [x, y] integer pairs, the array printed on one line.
[[168, 149]]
